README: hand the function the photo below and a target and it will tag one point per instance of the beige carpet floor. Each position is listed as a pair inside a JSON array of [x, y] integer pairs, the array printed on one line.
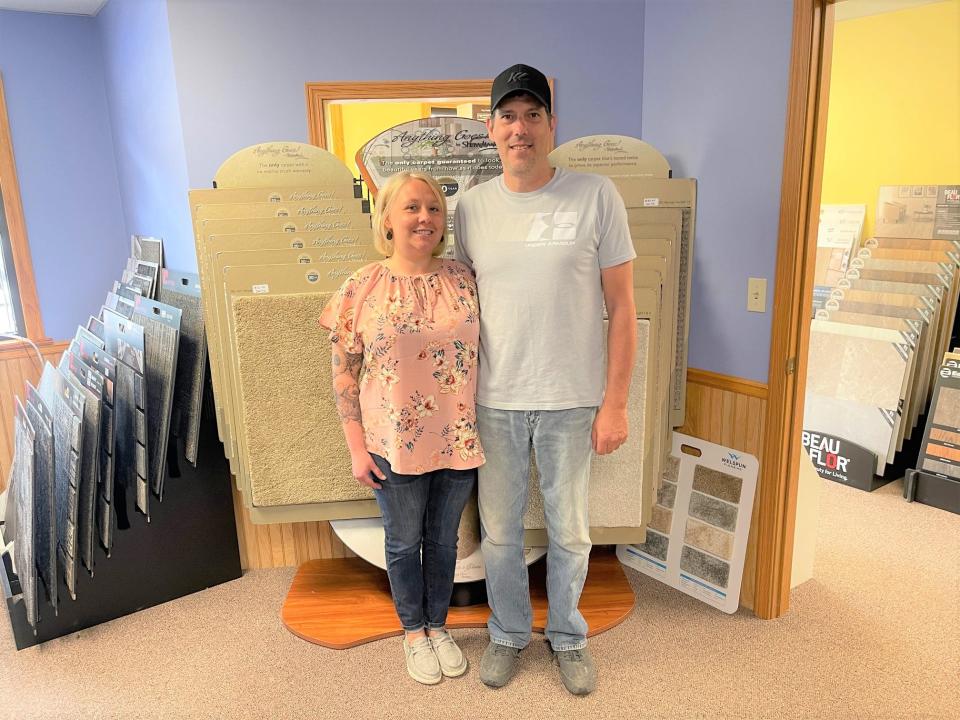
[[875, 635]]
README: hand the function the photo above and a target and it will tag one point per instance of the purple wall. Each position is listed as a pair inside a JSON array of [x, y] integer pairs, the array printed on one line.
[[714, 102], [145, 117], [241, 66], [53, 75]]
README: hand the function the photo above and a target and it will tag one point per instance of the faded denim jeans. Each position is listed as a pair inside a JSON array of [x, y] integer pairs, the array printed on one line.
[[421, 517], [561, 441]]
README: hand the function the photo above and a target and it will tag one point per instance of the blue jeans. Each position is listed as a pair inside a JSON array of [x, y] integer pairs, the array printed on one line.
[[561, 441], [421, 514]]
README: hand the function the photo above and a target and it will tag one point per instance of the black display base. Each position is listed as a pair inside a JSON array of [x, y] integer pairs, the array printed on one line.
[[189, 544], [469, 593], [940, 492]]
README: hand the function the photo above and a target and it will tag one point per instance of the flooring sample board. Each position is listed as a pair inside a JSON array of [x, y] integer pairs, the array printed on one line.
[[182, 290], [919, 211], [232, 226], [277, 194], [938, 256], [146, 268], [143, 282], [90, 383], [22, 495], [704, 511], [161, 328], [221, 350], [868, 426], [45, 542], [616, 497], [147, 248], [295, 448], [124, 340], [912, 244], [312, 209], [282, 164], [104, 365], [611, 155], [65, 400]]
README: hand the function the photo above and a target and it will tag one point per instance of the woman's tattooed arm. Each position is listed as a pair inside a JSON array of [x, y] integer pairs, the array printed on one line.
[[346, 384]]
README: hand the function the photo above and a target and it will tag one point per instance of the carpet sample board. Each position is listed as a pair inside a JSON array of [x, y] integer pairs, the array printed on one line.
[[703, 523], [124, 340], [65, 401], [22, 495], [90, 383], [161, 327], [105, 365], [617, 498], [182, 290], [45, 545], [296, 453], [147, 248], [274, 193]]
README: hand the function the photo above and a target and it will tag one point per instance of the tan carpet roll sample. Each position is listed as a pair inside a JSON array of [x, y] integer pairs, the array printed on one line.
[[617, 495], [295, 447]]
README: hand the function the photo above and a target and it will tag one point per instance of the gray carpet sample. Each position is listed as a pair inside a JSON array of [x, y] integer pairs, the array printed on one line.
[[22, 496], [66, 402], [45, 544], [182, 290], [91, 382], [161, 328]]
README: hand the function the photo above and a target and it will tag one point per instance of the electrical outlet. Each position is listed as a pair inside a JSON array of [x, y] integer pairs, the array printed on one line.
[[757, 294]]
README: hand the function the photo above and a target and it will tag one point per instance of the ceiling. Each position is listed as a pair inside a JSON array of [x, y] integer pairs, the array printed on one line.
[[846, 10], [66, 7]]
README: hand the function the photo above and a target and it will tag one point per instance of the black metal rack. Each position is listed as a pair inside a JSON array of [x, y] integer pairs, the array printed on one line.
[[189, 544]]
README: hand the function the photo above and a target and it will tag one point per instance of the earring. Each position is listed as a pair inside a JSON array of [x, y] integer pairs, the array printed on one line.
[[389, 235]]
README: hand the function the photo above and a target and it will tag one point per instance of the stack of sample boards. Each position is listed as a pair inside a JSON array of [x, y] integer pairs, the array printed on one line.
[[838, 237], [91, 440], [883, 329], [281, 231], [661, 212]]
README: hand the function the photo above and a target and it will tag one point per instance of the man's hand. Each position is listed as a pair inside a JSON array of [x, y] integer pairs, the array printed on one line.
[[609, 430], [362, 467]]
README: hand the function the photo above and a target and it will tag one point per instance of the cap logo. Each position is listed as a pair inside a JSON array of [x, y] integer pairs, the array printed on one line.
[[517, 76]]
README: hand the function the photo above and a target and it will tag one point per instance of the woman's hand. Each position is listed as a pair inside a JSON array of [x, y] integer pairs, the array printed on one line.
[[364, 469]]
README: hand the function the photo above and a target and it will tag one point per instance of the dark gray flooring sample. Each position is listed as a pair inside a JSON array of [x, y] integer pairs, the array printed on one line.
[[705, 567], [161, 328], [66, 402], [91, 382], [22, 495], [182, 290], [45, 541], [656, 545], [712, 511]]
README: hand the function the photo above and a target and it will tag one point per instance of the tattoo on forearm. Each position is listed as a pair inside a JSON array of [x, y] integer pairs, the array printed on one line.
[[346, 390]]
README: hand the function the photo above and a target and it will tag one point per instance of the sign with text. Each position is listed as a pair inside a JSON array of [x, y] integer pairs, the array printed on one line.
[[840, 460]]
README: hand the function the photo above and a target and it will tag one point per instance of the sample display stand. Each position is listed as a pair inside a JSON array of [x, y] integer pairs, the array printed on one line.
[[923, 487], [343, 603], [189, 544]]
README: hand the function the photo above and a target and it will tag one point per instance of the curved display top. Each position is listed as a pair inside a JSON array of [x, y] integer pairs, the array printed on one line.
[[611, 155], [282, 164]]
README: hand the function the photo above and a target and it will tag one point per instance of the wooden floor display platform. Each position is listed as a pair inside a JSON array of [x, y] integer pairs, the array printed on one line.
[[346, 602]]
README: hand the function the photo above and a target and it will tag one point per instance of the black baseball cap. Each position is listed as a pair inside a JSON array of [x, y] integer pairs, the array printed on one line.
[[520, 79]]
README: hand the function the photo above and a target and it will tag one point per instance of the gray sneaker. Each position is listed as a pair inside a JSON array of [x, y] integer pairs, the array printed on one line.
[[422, 663], [498, 664], [576, 670], [452, 662]]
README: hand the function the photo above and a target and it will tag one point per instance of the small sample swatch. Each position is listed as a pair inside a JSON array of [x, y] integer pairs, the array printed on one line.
[[943, 451], [948, 408], [655, 546], [720, 485], [942, 468], [671, 469], [703, 566], [661, 519], [706, 537], [713, 511], [667, 495], [944, 436]]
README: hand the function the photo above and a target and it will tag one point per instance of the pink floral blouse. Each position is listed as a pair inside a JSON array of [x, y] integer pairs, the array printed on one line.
[[418, 335]]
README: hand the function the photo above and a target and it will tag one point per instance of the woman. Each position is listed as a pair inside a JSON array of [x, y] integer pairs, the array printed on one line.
[[404, 334]]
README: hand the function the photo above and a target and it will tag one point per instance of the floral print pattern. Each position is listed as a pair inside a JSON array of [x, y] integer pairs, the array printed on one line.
[[419, 337]]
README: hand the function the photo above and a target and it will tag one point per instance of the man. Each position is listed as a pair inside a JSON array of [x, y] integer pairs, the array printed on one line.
[[549, 248]]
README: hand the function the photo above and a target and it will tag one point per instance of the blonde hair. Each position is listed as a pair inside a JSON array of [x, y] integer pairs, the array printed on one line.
[[385, 198]]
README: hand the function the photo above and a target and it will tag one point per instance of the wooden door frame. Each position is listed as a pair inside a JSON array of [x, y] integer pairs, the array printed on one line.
[[804, 140]]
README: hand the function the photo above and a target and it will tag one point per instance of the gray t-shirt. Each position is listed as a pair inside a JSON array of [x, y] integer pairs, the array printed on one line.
[[537, 257]]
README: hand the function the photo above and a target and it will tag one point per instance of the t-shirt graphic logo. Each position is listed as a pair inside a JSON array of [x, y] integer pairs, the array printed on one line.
[[557, 226]]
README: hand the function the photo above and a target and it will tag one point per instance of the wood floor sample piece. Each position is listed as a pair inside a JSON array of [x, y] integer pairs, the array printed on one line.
[[703, 523], [321, 604], [182, 290]]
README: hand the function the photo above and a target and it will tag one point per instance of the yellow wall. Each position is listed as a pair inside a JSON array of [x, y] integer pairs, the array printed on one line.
[[894, 115], [363, 121]]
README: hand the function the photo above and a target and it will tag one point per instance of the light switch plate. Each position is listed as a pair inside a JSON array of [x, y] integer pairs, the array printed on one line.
[[757, 294]]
